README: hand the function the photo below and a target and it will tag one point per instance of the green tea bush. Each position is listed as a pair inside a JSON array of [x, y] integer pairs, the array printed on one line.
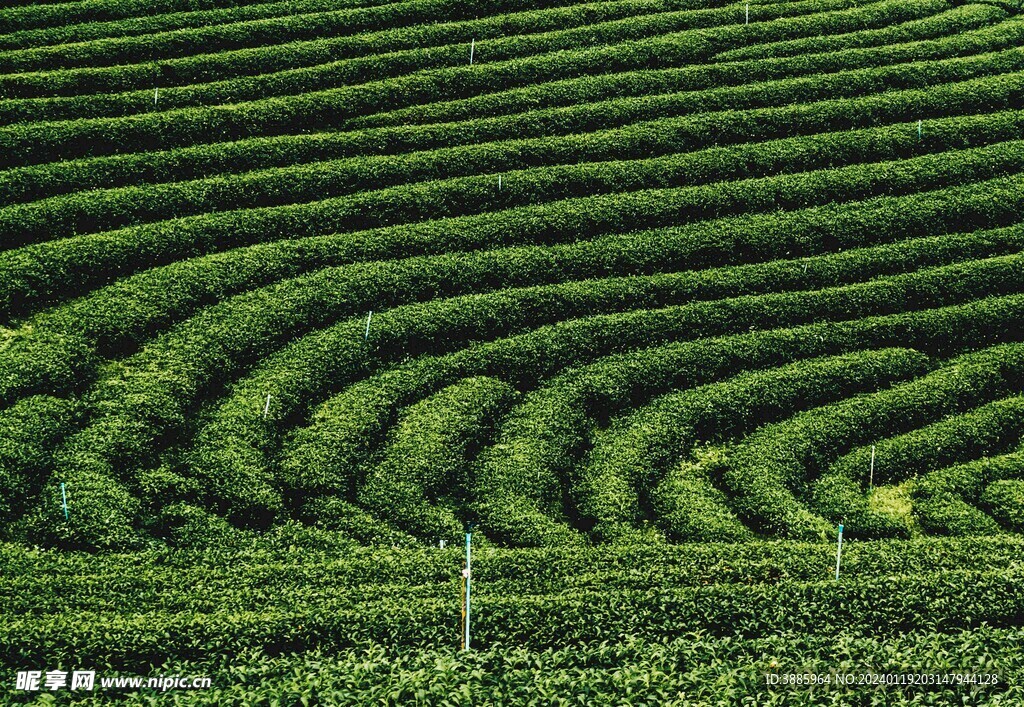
[[36, 181], [945, 501], [629, 459], [425, 466], [1004, 500]]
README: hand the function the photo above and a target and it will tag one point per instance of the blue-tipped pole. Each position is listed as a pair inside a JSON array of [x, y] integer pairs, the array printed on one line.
[[468, 554], [839, 550], [64, 497]]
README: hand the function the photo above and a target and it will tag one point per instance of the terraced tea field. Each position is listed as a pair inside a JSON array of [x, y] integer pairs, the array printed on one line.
[[652, 294]]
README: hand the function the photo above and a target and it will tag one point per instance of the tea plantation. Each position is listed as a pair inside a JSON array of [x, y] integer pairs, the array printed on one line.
[[651, 294]]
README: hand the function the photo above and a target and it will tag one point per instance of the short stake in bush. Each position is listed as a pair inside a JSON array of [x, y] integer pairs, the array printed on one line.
[[366, 335], [839, 550], [466, 590], [64, 499], [871, 473]]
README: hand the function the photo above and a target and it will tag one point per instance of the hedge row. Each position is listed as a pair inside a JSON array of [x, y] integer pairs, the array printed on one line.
[[29, 431], [932, 27], [769, 467], [540, 442], [205, 68], [36, 582], [19, 16], [694, 669], [41, 142], [158, 20], [235, 444], [44, 272], [989, 429], [37, 361], [38, 181], [352, 421], [976, 433], [526, 178], [431, 573], [945, 501], [888, 607], [421, 482], [496, 39], [734, 80], [258, 32], [623, 474], [1004, 500]]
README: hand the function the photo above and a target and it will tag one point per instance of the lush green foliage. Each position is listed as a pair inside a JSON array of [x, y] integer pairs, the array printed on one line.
[[650, 294]]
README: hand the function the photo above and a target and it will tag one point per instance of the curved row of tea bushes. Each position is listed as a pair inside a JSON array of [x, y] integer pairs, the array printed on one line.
[[766, 470], [424, 470], [42, 142], [750, 84], [524, 166], [905, 33], [64, 268], [37, 181], [945, 501], [59, 30], [249, 33], [988, 429], [566, 32], [620, 476]]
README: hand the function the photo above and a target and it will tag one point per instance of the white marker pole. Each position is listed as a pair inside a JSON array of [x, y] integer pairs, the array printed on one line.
[[839, 550], [499, 182], [64, 498], [366, 335], [748, 14], [919, 130], [472, 46], [266, 408], [467, 574], [871, 476], [156, 94]]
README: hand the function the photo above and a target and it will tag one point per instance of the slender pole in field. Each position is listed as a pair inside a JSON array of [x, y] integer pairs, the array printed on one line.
[[871, 477], [64, 498], [366, 334], [472, 46], [748, 14], [467, 574], [266, 408], [499, 182], [919, 130], [839, 550]]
